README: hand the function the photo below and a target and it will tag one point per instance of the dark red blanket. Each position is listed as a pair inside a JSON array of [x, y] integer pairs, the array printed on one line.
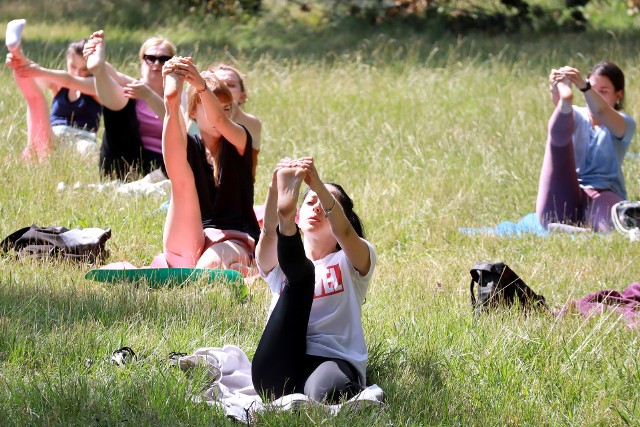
[[627, 303]]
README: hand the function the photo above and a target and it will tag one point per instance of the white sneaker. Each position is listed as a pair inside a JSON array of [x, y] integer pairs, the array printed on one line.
[[123, 356], [14, 33], [625, 216]]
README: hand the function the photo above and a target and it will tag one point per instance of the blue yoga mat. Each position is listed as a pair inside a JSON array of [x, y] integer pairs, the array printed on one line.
[[529, 224]]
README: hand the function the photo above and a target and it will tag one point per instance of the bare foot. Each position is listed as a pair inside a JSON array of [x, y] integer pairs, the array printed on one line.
[[289, 182], [564, 89], [95, 51], [172, 87], [38, 153], [566, 96]]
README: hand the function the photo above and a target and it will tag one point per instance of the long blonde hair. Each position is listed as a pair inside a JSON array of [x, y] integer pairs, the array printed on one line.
[[221, 91]]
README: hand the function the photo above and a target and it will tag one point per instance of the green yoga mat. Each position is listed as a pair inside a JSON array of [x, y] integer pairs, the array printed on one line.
[[162, 277]]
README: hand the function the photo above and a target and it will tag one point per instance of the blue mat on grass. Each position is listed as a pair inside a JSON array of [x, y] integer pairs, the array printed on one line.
[[529, 224]]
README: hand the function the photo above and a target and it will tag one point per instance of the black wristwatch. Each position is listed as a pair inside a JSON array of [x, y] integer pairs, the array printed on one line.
[[587, 87]]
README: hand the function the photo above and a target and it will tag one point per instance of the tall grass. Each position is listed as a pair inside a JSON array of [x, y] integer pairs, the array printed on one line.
[[428, 135]]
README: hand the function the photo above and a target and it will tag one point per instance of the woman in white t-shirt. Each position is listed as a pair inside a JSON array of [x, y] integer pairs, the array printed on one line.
[[313, 342]]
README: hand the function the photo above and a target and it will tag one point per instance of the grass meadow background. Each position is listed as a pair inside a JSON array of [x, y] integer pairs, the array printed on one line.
[[428, 134]]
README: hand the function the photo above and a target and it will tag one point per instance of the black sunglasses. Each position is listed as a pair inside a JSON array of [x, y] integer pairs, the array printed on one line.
[[151, 59]]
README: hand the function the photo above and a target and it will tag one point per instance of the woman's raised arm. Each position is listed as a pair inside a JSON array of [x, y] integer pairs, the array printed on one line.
[[606, 114], [353, 246], [216, 114]]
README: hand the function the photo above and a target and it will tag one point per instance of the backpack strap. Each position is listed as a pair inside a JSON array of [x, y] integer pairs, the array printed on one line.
[[473, 297], [475, 278], [9, 242]]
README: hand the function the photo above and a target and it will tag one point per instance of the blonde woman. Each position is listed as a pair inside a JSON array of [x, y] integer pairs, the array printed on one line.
[[210, 221], [133, 108]]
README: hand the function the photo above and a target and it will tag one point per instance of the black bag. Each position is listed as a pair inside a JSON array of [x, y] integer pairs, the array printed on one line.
[[498, 286], [78, 244]]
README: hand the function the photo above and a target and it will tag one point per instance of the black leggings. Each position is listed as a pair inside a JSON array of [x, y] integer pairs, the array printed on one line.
[[281, 364], [121, 151]]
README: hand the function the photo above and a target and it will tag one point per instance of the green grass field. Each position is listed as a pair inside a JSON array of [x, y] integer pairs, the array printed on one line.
[[428, 134]]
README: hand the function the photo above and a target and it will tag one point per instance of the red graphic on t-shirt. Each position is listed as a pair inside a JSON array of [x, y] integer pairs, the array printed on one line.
[[331, 283]]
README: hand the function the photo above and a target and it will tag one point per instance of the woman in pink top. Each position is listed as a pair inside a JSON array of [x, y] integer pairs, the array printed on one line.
[[133, 108]]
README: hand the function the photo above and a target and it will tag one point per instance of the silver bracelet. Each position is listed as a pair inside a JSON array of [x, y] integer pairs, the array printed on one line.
[[328, 211]]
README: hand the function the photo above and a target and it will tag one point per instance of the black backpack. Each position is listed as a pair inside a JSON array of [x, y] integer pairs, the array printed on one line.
[[78, 244], [498, 285]]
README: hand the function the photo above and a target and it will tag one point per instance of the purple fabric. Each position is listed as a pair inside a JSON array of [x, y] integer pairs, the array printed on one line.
[[627, 303], [598, 210], [559, 195]]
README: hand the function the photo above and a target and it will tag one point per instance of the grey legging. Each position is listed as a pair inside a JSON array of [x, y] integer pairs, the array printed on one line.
[[281, 364], [560, 197]]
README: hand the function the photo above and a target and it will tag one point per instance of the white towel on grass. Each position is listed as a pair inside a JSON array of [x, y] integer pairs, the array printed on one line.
[[233, 392]]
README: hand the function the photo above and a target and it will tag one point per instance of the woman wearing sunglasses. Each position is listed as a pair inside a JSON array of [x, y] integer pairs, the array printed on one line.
[[133, 108]]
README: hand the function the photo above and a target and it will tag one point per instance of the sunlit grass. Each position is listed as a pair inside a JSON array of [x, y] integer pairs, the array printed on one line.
[[428, 135]]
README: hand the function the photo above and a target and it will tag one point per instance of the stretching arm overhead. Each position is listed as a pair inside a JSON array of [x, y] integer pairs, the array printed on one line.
[[598, 106], [56, 79], [218, 115], [266, 253], [354, 247]]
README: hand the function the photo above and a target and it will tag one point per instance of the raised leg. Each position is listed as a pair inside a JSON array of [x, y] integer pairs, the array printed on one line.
[[289, 182], [108, 90], [40, 137], [278, 366], [559, 195], [183, 234]]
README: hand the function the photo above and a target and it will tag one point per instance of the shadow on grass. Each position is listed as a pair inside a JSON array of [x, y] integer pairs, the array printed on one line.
[[415, 384], [43, 303]]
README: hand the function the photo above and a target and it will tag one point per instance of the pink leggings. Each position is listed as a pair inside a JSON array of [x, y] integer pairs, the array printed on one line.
[[38, 122], [560, 197]]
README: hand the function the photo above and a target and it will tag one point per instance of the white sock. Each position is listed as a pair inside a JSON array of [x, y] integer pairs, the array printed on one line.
[[14, 33]]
